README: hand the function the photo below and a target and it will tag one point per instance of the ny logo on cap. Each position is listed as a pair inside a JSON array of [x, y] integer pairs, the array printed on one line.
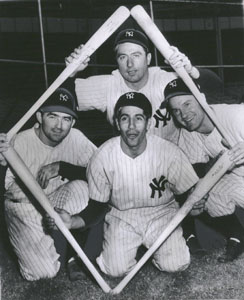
[[173, 84], [129, 33], [63, 97], [130, 95]]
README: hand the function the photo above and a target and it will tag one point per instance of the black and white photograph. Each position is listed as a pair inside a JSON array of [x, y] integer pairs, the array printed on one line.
[[122, 150]]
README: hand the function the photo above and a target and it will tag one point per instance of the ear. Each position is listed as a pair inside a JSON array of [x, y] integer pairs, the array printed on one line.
[[73, 122], [39, 117], [149, 122], [149, 58], [117, 124]]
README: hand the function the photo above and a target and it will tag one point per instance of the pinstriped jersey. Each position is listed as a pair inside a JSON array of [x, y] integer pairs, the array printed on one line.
[[199, 147], [149, 180], [102, 92], [75, 149]]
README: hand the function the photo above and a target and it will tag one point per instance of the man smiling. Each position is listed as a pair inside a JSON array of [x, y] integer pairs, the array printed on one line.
[[201, 142]]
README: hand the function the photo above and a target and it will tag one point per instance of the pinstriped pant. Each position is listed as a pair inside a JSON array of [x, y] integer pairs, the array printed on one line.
[[124, 233], [34, 248], [226, 195]]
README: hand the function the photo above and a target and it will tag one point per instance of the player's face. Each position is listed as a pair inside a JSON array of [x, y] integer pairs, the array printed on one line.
[[133, 64], [54, 127], [188, 113], [133, 125]]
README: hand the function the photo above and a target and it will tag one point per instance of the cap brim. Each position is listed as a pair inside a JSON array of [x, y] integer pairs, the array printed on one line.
[[177, 94], [133, 42], [56, 108]]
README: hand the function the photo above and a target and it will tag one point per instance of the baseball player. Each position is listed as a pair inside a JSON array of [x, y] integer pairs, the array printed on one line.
[[133, 75], [201, 141], [138, 174], [49, 150]]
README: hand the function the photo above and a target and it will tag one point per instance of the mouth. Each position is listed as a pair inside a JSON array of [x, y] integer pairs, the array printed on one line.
[[188, 120], [132, 72], [132, 136]]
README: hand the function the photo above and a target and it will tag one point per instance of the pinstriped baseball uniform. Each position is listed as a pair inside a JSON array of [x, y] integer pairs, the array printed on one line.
[[229, 191], [35, 249], [102, 92], [141, 194]]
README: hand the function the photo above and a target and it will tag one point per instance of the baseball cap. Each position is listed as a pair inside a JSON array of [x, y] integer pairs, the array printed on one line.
[[132, 36], [134, 99], [62, 100], [176, 87]]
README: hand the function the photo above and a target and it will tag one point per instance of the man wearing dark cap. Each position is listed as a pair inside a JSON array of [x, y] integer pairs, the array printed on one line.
[[202, 142], [137, 174], [49, 150], [133, 56]]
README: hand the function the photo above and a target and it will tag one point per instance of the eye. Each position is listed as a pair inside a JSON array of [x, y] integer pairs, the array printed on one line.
[[176, 112], [139, 118], [123, 118], [68, 120], [136, 55], [121, 57]]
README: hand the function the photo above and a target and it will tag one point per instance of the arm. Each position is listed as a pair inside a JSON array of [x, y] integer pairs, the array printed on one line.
[[91, 215], [178, 60], [65, 170], [4, 145]]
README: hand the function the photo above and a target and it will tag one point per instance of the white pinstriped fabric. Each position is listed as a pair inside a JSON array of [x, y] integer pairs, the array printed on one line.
[[140, 191], [34, 247], [102, 92], [229, 191]]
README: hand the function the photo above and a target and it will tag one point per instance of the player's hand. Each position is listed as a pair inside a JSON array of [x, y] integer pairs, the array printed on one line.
[[237, 154], [4, 145], [64, 215], [46, 173], [199, 207], [75, 55], [179, 60]]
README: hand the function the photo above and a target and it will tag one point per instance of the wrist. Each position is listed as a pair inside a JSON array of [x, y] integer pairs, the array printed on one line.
[[194, 73], [77, 222]]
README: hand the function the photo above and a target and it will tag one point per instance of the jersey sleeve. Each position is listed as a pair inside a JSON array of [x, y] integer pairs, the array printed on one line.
[[82, 148], [181, 173], [92, 92], [98, 182]]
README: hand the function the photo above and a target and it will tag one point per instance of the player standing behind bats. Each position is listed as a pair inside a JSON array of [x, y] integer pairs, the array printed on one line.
[[137, 174], [201, 141], [57, 156], [131, 49]]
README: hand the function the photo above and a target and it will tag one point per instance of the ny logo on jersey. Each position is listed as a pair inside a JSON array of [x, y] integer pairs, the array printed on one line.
[[158, 186], [63, 97], [129, 33], [158, 116], [173, 84], [130, 95]]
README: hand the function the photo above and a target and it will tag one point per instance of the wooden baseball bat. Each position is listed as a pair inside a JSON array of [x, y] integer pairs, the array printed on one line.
[[203, 186], [97, 39], [156, 36], [24, 174]]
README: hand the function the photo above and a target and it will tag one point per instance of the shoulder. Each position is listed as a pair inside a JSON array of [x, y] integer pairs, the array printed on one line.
[[161, 145], [76, 136], [228, 109], [159, 74], [25, 134], [102, 154], [110, 145]]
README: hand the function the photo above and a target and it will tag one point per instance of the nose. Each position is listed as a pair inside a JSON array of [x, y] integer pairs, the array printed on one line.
[[129, 62], [59, 123], [183, 113], [131, 123]]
